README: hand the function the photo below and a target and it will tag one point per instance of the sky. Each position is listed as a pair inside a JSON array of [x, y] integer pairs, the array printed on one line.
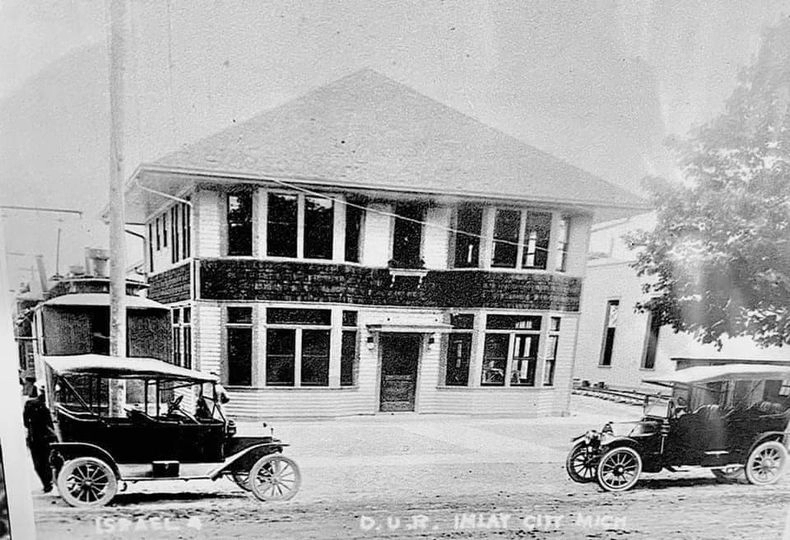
[[600, 84]]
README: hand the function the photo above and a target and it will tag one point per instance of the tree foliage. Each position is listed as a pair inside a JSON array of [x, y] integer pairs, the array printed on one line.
[[718, 260]]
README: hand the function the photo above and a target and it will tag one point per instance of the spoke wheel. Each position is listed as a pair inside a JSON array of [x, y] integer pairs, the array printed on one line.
[[766, 463], [87, 481], [241, 478], [731, 472], [580, 463], [275, 478], [619, 469]]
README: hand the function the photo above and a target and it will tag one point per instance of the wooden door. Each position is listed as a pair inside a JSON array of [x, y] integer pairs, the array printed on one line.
[[400, 355]]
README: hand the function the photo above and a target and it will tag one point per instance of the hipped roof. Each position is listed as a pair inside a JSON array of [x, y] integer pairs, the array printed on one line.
[[367, 131]]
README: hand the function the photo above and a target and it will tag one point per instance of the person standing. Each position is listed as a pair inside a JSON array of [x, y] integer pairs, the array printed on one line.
[[40, 433]]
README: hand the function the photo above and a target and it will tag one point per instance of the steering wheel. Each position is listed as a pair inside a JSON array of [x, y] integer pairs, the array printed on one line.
[[175, 405]]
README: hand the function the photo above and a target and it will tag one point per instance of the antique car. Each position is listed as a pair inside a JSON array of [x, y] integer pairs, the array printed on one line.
[[732, 419], [168, 425]]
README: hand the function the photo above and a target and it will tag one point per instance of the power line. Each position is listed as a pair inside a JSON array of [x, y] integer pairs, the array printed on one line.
[[391, 214]]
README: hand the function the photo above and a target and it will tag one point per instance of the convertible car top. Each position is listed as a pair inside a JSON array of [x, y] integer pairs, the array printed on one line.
[[727, 372], [124, 368]]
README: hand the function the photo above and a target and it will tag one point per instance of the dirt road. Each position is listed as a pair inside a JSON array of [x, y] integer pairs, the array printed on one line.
[[429, 477]]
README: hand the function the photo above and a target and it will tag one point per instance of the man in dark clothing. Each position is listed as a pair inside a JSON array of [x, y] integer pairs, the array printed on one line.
[[40, 433]]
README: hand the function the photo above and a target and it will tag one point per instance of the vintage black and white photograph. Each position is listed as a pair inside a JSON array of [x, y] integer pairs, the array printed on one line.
[[359, 269]]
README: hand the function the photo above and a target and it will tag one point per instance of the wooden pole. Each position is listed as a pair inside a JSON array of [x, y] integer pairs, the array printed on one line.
[[15, 459], [117, 9]]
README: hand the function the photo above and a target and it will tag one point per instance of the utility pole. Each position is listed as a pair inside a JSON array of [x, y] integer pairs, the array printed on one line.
[[117, 9]]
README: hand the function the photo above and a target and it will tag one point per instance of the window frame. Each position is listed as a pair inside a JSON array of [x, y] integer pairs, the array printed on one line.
[[181, 334], [228, 325], [607, 348], [550, 354], [298, 329], [349, 329], [512, 334], [251, 223], [301, 205]]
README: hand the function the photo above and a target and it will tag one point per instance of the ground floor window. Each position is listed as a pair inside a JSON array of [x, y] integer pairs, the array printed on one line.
[[239, 345], [181, 318], [348, 349], [551, 351], [298, 346], [510, 350]]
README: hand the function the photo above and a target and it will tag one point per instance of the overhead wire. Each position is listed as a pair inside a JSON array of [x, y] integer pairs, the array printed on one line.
[[391, 214]]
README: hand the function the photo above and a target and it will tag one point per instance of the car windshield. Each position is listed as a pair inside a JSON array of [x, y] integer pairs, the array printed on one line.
[[656, 406]]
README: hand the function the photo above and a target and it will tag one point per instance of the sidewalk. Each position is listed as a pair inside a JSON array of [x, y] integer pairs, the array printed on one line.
[[410, 438]]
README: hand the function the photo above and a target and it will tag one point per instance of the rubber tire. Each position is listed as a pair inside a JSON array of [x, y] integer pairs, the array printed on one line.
[[751, 475], [68, 468], [256, 488], [575, 476], [602, 463]]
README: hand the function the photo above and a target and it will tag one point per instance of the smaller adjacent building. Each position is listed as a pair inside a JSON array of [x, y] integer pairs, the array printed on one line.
[[617, 345]]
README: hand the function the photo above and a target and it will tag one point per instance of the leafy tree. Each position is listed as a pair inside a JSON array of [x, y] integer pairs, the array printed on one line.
[[718, 260]]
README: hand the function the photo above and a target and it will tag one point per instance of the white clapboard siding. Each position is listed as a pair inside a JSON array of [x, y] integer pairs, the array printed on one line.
[[207, 331], [208, 223], [376, 245], [578, 245], [437, 237], [263, 403]]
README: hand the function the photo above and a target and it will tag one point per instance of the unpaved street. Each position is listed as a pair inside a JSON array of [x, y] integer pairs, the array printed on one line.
[[432, 477]]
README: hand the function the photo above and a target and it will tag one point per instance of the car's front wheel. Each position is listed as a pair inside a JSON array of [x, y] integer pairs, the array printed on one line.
[[275, 478], [619, 469], [87, 481], [580, 463], [766, 463]]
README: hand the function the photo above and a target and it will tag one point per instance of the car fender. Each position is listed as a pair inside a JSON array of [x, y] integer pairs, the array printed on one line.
[[780, 436], [617, 442], [253, 451], [71, 450]]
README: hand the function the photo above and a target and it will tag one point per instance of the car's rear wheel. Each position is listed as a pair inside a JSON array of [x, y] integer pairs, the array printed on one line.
[[241, 478], [87, 481], [619, 469], [580, 463], [766, 463], [731, 472], [275, 478]]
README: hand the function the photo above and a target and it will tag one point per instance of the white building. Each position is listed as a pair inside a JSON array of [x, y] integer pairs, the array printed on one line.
[[620, 347], [365, 249]]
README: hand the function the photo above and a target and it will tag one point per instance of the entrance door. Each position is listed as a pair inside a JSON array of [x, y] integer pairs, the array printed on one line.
[[400, 354]]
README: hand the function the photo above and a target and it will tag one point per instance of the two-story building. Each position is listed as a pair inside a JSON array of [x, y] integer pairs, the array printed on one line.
[[364, 249]]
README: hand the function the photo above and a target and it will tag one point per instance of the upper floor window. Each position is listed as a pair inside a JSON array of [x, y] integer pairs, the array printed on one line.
[[240, 224], [469, 227], [507, 224], [521, 239], [299, 226], [180, 231], [319, 222], [407, 236], [536, 240], [354, 215]]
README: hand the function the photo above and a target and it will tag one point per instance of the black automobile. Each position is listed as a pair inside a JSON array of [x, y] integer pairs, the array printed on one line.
[[169, 425], [732, 419]]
